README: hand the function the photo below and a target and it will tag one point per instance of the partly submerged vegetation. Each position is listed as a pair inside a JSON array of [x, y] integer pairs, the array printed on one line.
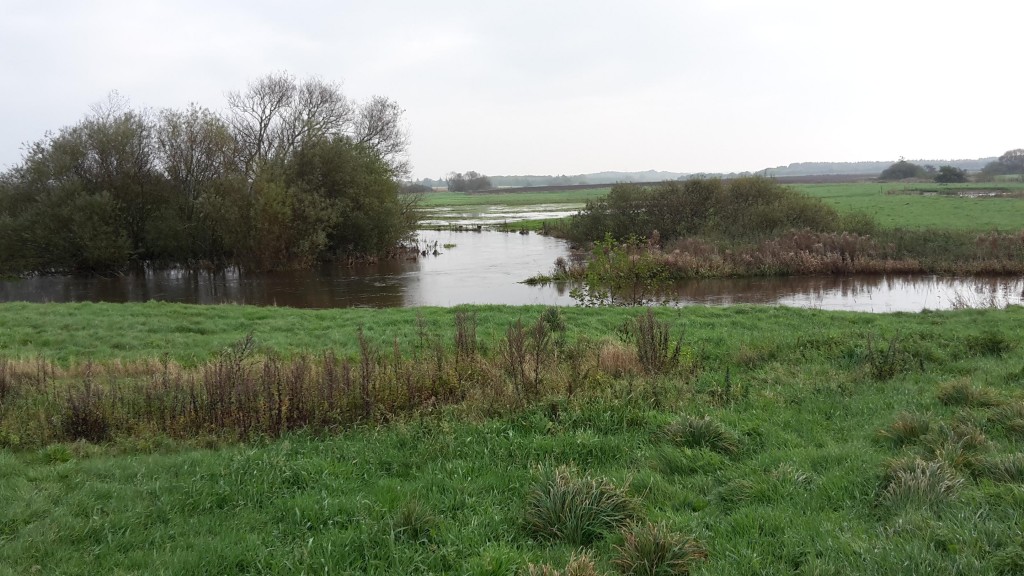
[[497, 440]]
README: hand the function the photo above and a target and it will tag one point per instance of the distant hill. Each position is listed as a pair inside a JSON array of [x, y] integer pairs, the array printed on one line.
[[593, 178], [866, 168]]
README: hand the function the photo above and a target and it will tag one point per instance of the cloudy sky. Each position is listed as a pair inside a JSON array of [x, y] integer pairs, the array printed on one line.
[[555, 86]]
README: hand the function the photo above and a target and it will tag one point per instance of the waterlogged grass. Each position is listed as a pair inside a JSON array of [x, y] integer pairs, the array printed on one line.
[[899, 205], [772, 447]]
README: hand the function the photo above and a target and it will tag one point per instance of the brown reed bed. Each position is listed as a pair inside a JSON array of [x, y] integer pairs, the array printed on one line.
[[243, 395], [805, 252]]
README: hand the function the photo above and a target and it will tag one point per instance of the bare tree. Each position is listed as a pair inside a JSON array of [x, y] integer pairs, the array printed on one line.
[[318, 110], [277, 114], [194, 148], [378, 125], [255, 114]]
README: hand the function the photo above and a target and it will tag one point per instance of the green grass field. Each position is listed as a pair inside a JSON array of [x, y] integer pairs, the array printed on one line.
[[785, 441], [893, 209], [886, 202]]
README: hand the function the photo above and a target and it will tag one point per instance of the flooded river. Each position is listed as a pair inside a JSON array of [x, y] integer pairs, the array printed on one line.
[[487, 268]]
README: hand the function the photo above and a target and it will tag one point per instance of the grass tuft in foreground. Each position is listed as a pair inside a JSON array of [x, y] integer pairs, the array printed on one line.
[[576, 509], [652, 550]]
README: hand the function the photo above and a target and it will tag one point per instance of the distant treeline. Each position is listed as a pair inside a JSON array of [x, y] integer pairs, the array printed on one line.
[[847, 171], [865, 168], [292, 173]]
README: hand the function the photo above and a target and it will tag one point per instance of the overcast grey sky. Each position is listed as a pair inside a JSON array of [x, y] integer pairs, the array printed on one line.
[[556, 86]]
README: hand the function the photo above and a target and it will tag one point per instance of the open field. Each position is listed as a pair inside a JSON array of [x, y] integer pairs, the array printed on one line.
[[891, 207], [777, 441], [891, 204]]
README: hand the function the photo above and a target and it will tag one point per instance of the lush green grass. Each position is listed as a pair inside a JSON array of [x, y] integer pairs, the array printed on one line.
[[513, 198], [892, 208], [784, 445]]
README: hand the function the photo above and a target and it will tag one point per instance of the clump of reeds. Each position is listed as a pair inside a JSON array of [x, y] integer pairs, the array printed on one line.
[[86, 416], [576, 509], [652, 550]]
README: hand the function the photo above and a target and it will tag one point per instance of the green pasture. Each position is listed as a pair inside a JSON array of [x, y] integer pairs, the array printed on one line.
[[899, 205], [787, 442]]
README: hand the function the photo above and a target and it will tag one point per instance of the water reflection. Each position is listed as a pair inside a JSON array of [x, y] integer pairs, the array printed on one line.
[[494, 215], [481, 268], [863, 293], [486, 268]]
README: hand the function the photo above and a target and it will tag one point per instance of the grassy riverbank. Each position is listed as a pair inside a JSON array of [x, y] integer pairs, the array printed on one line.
[[776, 441]]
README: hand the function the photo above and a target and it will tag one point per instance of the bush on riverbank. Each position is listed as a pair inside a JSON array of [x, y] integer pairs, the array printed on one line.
[[744, 209]]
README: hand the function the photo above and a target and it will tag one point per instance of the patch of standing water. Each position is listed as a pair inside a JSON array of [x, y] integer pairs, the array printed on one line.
[[487, 267], [494, 215]]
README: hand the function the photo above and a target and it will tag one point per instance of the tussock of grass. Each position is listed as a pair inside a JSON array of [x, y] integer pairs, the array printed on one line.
[[672, 461], [652, 550], [917, 482], [414, 521], [962, 393], [1009, 468], [576, 510], [960, 446], [906, 429], [989, 343], [579, 565], [704, 432]]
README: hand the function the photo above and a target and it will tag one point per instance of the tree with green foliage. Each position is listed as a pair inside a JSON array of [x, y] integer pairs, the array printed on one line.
[[737, 209], [1013, 160], [469, 182], [951, 175], [902, 169], [294, 174]]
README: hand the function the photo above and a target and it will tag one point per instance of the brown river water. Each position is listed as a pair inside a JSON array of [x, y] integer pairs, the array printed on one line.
[[487, 268]]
